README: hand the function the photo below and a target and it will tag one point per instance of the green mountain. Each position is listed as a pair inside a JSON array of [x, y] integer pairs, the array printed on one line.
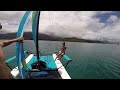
[[28, 36]]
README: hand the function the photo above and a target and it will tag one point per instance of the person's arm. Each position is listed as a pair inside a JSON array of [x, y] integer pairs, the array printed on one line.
[[8, 42]]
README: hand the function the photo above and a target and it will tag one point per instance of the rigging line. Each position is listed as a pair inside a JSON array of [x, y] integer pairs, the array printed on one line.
[[9, 66], [50, 19], [51, 23]]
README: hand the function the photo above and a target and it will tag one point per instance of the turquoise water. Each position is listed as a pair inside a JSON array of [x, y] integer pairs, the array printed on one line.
[[90, 60]]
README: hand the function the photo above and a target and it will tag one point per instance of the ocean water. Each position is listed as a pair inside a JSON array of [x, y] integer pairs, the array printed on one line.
[[90, 60]]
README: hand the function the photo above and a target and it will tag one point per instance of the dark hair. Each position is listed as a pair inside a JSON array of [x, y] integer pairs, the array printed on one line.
[[63, 42]]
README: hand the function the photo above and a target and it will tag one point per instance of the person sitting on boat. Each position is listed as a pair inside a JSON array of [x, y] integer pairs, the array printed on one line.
[[4, 71], [62, 51]]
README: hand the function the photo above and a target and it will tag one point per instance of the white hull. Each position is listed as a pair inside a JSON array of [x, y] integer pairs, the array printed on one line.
[[62, 71]]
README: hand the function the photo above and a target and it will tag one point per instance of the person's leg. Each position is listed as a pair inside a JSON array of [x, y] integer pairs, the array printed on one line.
[[61, 55], [57, 56]]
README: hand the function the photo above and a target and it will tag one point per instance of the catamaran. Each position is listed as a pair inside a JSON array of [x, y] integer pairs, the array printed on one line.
[[36, 65]]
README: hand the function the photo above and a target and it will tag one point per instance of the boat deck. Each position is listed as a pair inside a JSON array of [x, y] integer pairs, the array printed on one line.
[[61, 73]]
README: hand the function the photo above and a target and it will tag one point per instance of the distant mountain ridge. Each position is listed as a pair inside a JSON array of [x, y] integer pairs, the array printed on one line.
[[28, 36]]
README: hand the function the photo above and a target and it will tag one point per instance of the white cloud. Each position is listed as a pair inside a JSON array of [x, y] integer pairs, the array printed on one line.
[[112, 18], [105, 12], [81, 24]]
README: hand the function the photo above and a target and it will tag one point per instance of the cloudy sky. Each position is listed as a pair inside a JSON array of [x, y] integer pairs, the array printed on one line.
[[96, 25]]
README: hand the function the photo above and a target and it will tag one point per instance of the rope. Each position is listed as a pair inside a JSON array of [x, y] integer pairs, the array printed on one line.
[[65, 65], [51, 20], [60, 66], [9, 66]]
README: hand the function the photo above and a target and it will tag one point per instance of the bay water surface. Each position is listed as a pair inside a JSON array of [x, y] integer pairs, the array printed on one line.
[[90, 60]]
